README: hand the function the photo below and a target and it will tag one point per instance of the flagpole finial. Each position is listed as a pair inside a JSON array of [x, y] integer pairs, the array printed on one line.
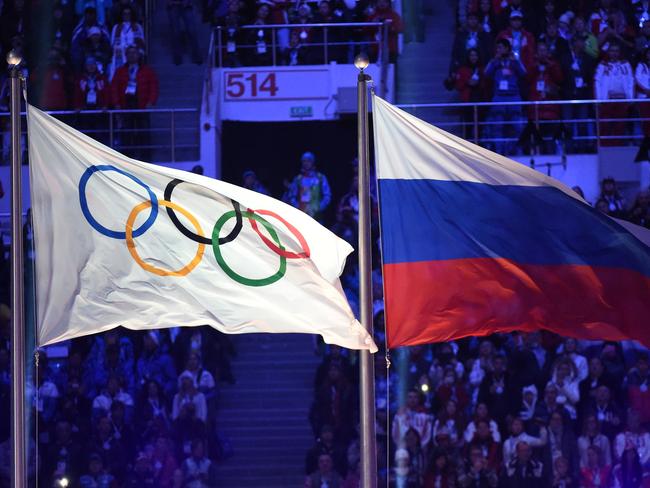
[[361, 61], [14, 58]]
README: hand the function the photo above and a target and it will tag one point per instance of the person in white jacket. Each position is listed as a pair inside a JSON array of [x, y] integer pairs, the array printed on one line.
[[642, 84], [519, 435], [614, 80], [565, 379]]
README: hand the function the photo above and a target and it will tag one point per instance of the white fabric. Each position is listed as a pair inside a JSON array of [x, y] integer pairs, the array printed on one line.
[[427, 152], [88, 282], [407, 148]]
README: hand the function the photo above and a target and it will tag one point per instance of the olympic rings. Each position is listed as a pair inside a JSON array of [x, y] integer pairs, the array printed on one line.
[[99, 227], [153, 269], [253, 216], [222, 263], [191, 235], [292, 229]]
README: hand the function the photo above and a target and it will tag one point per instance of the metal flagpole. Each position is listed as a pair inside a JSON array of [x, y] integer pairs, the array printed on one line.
[[19, 472], [367, 363]]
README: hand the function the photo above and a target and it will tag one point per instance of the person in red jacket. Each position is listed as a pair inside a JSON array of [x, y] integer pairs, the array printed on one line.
[[134, 86], [522, 41], [472, 86], [92, 92], [544, 81], [91, 89], [54, 83], [380, 13]]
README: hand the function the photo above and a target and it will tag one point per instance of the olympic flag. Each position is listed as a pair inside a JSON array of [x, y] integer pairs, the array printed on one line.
[[121, 242], [474, 243]]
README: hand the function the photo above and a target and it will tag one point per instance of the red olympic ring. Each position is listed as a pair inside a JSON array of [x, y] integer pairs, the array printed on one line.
[[271, 245]]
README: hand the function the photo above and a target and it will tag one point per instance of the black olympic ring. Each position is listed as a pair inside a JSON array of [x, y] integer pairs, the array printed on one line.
[[191, 235]]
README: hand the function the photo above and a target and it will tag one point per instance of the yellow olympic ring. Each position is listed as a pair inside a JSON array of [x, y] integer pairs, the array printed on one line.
[[153, 269]]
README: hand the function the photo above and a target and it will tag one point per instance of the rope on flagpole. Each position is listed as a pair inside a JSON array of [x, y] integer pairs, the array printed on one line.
[[389, 432]]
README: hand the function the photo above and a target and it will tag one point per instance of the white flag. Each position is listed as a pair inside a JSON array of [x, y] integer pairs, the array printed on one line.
[[121, 242]]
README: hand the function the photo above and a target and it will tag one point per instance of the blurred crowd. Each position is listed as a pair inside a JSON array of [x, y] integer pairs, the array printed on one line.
[[303, 43], [126, 409], [514, 50]]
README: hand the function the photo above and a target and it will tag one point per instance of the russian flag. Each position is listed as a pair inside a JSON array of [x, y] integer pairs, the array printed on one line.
[[474, 243]]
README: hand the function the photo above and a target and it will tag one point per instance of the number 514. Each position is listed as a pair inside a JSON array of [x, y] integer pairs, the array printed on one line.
[[238, 85]]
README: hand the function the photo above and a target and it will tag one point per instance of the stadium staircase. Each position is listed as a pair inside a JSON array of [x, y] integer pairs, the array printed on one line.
[[180, 86], [264, 415], [423, 66]]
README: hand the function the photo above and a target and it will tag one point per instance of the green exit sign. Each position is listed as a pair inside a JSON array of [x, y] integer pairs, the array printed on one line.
[[303, 111]]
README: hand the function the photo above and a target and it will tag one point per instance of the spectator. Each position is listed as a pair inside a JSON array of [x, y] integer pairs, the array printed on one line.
[[591, 437], [522, 469], [198, 470], [251, 182], [544, 80], [470, 38], [182, 12], [495, 390], [142, 474], [412, 415], [384, 12], [580, 29], [128, 32], [91, 89], [614, 80], [595, 473], [163, 462], [509, 7], [539, 25], [578, 69], [202, 378], [449, 421], [617, 32], [155, 365], [61, 460], [642, 41], [439, 473], [606, 412], [261, 39], [112, 451], [325, 475], [615, 203], [189, 395], [637, 384], [325, 444], [486, 18], [490, 450], [88, 26], [506, 72], [561, 444], [519, 436], [640, 213], [310, 190], [642, 82], [628, 472], [96, 45], [565, 379], [522, 42], [482, 415], [558, 47], [135, 86], [529, 402], [636, 436], [54, 82], [562, 477], [472, 87], [97, 476]]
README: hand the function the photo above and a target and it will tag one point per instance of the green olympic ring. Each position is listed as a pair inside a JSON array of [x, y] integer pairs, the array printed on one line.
[[222, 263]]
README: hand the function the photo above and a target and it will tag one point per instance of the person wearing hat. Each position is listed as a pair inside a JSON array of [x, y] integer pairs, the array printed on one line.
[[97, 46], [504, 16], [310, 190], [522, 42], [82, 32]]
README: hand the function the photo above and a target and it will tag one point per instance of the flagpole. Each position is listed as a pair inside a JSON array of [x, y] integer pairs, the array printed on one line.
[[19, 470], [366, 364]]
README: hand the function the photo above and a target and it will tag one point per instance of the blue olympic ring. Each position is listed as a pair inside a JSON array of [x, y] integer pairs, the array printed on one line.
[[96, 225]]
